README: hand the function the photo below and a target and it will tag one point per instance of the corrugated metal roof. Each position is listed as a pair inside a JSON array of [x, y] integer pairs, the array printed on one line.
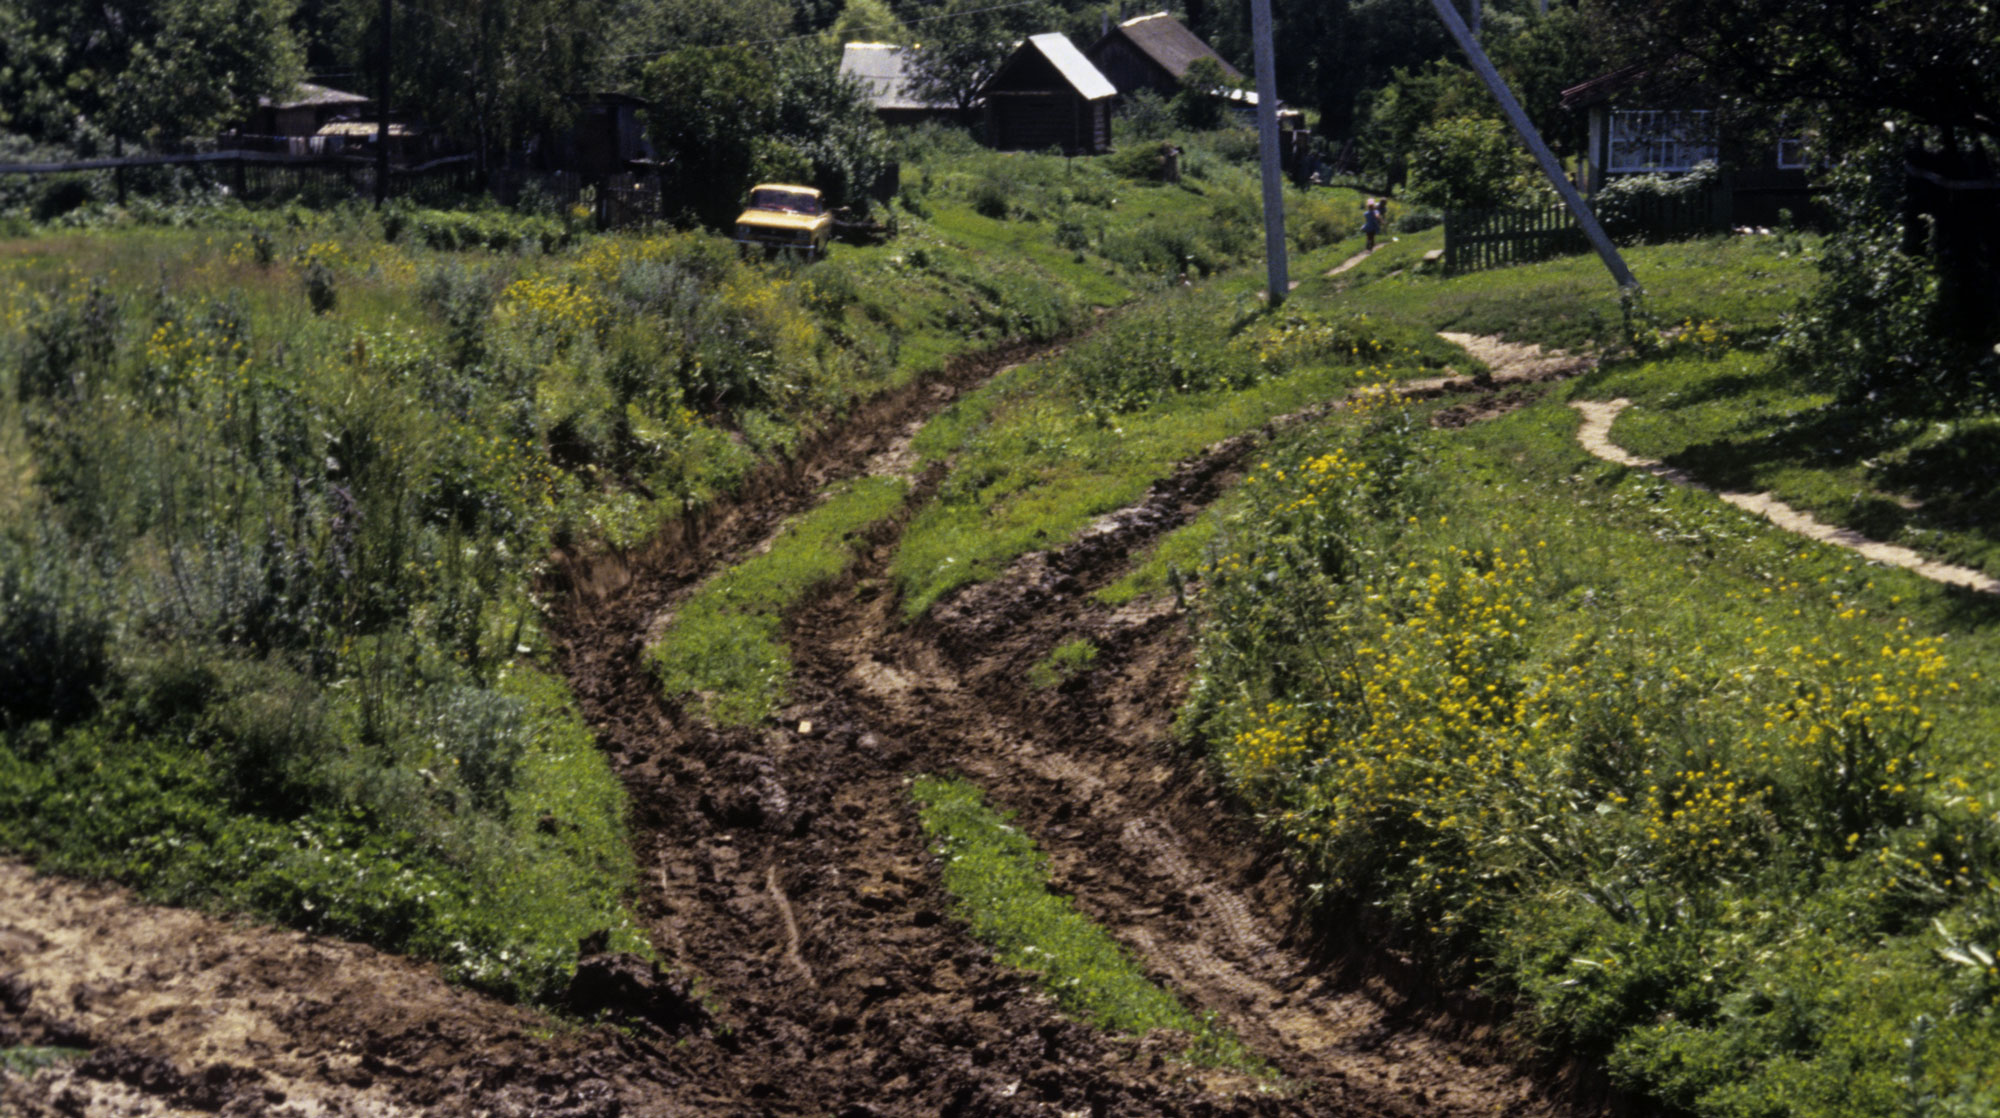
[[307, 94], [364, 128], [1168, 42], [883, 68], [1087, 80]]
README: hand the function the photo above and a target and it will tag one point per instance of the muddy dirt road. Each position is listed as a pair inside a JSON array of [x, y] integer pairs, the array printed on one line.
[[815, 967]]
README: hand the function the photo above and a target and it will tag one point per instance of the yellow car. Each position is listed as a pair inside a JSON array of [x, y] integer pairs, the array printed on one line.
[[781, 215]]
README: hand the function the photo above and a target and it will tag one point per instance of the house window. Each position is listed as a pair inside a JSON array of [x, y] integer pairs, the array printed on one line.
[[1792, 154], [1657, 140]]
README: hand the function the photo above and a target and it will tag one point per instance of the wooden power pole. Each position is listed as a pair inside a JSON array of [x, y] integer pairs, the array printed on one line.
[[1276, 268], [1606, 251], [382, 117]]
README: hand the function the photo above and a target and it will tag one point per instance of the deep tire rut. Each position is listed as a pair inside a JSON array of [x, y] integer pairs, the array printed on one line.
[[795, 883]]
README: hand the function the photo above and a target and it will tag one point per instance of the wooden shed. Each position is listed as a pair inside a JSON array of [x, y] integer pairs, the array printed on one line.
[[1152, 52], [1048, 95], [304, 111]]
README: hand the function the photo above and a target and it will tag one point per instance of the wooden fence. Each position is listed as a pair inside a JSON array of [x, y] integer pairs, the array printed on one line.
[[1475, 239], [266, 174], [1499, 238]]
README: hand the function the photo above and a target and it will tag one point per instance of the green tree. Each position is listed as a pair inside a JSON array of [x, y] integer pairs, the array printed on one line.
[[1415, 99], [140, 70], [1203, 102], [963, 44], [646, 30], [493, 72], [1465, 163], [725, 117], [867, 21], [1936, 61]]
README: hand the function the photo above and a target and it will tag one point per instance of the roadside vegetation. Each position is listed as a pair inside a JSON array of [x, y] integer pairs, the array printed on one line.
[[1710, 802]]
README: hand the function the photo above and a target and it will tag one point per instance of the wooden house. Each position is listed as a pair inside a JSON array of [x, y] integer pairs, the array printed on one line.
[[883, 70], [1634, 130], [1152, 52], [1048, 95]]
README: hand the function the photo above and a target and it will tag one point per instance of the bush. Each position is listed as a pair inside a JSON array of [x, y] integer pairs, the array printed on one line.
[[1174, 345], [1464, 163], [54, 635], [1883, 328], [1144, 115], [1657, 207], [319, 283]]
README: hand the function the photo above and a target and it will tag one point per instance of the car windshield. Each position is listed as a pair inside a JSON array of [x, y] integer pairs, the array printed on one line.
[[791, 201]]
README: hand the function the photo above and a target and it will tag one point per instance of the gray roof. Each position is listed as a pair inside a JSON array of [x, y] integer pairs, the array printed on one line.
[[883, 68], [1166, 41], [306, 94], [1086, 79]]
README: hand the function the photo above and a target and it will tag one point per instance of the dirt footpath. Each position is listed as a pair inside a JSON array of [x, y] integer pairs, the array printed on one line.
[[816, 968]]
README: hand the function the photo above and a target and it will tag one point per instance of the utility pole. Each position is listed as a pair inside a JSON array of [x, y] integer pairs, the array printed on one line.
[[1276, 270], [1606, 251], [382, 117]]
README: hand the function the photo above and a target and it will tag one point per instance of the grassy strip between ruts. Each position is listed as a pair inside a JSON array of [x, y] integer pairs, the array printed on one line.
[[722, 647], [1045, 447], [28, 1060], [999, 880]]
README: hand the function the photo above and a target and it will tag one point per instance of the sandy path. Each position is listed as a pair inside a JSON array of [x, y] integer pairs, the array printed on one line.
[[1595, 435]]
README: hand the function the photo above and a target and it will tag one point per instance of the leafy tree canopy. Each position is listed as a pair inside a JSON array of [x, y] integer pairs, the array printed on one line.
[[492, 71], [79, 74], [725, 117]]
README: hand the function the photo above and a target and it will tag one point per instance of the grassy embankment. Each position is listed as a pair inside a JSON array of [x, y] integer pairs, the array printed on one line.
[[1711, 802]]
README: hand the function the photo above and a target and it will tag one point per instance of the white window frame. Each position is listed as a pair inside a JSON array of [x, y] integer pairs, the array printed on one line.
[[1792, 153], [1644, 141]]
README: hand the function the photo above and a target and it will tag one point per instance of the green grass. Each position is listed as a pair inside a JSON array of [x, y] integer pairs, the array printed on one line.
[[1040, 451], [722, 648], [999, 882], [402, 854], [26, 1061], [1743, 284], [1064, 662]]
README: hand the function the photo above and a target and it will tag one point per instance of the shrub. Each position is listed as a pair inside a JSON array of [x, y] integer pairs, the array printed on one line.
[[1144, 115], [54, 634], [320, 289], [1174, 345], [1464, 163], [992, 195], [71, 336], [1657, 207]]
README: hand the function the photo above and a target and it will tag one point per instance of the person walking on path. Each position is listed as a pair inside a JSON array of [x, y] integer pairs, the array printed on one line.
[[1371, 220]]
